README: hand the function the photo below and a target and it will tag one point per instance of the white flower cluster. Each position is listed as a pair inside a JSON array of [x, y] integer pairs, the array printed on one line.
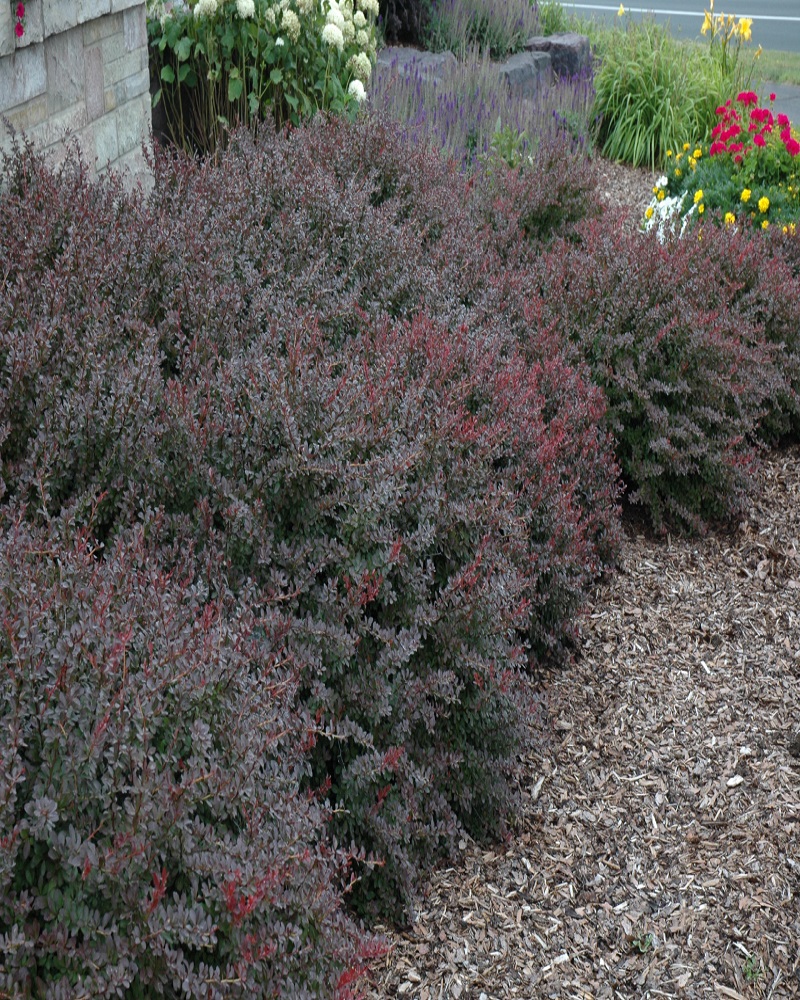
[[246, 9], [290, 23], [664, 214], [356, 88], [205, 8]]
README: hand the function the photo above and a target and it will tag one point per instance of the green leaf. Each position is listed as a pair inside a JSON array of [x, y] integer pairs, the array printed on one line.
[[276, 76], [157, 97], [167, 74], [235, 88], [183, 49], [183, 71]]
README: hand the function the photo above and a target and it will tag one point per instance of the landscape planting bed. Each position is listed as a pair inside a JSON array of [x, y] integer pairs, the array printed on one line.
[[656, 855]]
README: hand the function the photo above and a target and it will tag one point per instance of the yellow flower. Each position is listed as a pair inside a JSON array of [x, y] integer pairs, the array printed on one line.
[[765, 224], [677, 172], [746, 195], [621, 11], [707, 23], [697, 153], [660, 194], [649, 214], [698, 195], [763, 204], [692, 162], [701, 208], [745, 23], [730, 218], [685, 146], [669, 153]]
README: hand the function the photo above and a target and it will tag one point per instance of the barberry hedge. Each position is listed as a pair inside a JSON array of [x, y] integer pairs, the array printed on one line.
[[266, 386], [305, 458]]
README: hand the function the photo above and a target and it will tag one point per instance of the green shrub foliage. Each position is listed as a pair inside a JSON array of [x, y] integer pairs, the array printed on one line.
[[280, 369]]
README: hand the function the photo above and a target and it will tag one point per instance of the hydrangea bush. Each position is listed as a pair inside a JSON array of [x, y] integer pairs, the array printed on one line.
[[219, 63], [747, 175]]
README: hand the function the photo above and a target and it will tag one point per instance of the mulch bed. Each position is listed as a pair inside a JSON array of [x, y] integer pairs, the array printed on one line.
[[656, 854]]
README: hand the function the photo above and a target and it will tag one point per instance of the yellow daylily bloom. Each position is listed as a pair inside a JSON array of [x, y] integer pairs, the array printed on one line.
[[745, 24], [708, 24], [621, 11]]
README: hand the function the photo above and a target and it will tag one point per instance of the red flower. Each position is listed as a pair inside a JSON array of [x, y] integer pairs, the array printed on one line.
[[759, 140], [793, 147], [783, 120], [786, 134], [747, 97], [772, 97], [19, 31]]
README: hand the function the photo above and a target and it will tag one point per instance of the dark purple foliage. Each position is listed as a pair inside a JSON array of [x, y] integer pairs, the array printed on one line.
[[280, 370]]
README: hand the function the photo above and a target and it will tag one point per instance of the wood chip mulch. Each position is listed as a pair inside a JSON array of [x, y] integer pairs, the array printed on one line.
[[657, 852]]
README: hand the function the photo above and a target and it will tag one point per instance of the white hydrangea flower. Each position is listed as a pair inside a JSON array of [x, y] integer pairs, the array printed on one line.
[[362, 39], [279, 42], [205, 8], [246, 8], [335, 16], [348, 32], [305, 6], [369, 6], [359, 20], [269, 14], [356, 88], [290, 22], [333, 36], [346, 7], [361, 66]]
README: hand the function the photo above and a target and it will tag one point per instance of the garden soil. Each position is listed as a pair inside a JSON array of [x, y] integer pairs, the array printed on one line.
[[657, 851]]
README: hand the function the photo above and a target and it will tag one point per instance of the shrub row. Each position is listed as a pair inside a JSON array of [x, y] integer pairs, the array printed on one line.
[[336, 402], [272, 373]]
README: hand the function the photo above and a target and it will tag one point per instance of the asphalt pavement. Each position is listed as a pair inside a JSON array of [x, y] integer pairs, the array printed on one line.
[[776, 23]]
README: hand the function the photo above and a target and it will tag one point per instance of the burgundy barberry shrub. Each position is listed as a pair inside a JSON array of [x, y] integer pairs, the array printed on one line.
[[282, 364], [759, 280], [682, 360], [155, 838], [541, 199]]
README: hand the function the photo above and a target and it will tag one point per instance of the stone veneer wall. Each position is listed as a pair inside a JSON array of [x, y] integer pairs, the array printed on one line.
[[82, 67]]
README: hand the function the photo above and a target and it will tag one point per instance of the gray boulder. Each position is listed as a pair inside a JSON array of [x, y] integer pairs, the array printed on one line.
[[526, 72], [569, 53], [416, 62]]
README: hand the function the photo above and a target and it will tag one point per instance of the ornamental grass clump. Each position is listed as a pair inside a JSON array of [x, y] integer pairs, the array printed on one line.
[[273, 368], [220, 63], [498, 27], [747, 175], [649, 96]]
